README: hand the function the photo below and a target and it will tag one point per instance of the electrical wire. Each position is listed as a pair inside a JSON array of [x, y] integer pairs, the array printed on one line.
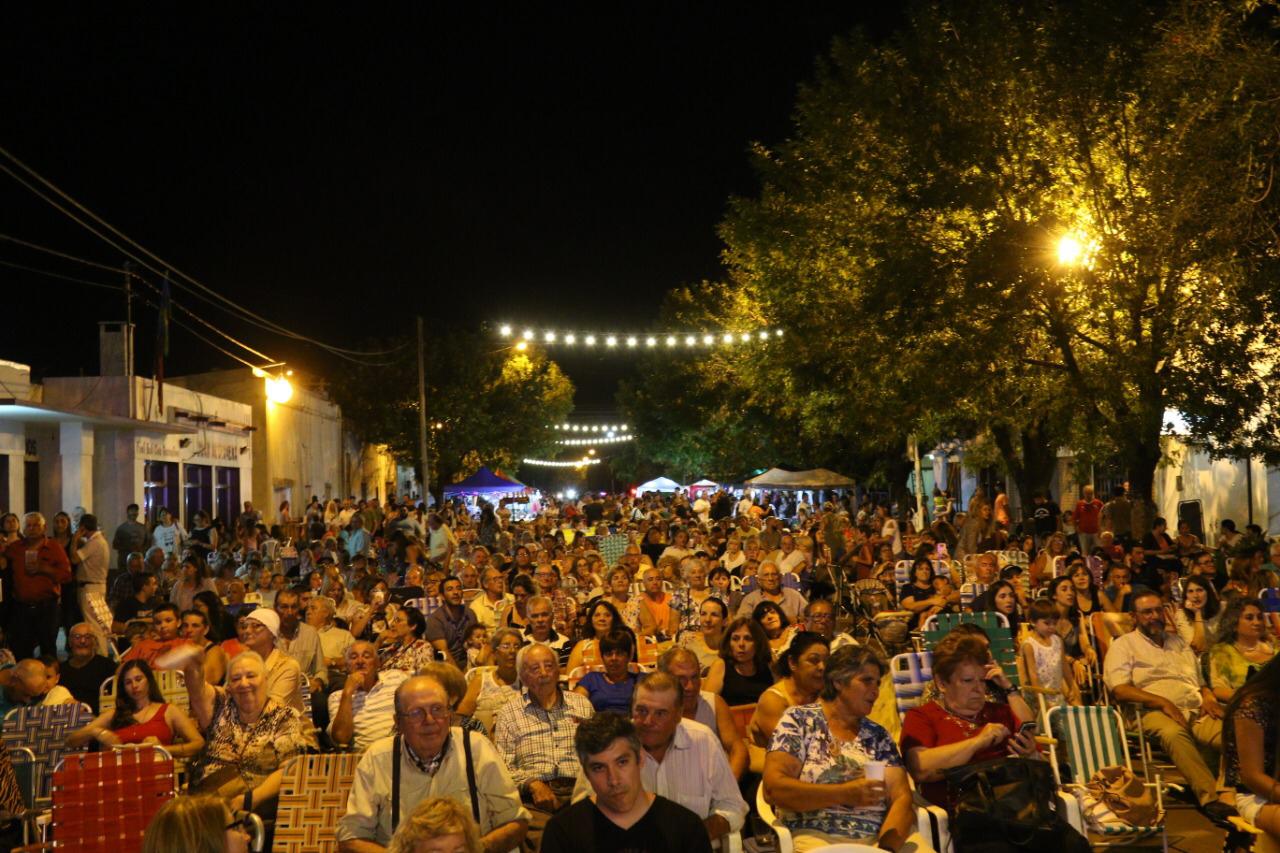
[[37, 247], [246, 314], [51, 274]]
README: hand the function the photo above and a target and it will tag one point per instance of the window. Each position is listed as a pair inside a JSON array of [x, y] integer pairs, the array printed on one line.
[[227, 494], [159, 487], [198, 491]]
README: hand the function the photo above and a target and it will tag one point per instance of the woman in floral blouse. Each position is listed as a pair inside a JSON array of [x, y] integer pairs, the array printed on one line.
[[248, 736], [402, 646], [1249, 740], [816, 770]]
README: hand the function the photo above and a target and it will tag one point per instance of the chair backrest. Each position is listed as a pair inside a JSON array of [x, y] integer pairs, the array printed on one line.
[[1092, 737], [24, 771], [43, 729], [911, 671], [103, 801], [254, 597], [970, 592], [426, 606], [173, 686], [1003, 648], [313, 796]]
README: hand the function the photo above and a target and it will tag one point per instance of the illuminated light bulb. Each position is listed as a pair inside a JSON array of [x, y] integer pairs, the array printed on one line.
[[591, 452], [764, 336], [650, 341], [624, 427], [549, 337], [575, 427], [566, 426], [595, 428], [611, 341], [591, 340], [778, 332], [690, 341], [744, 337], [505, 330], [631, 341], [522, 346], [728, 338], [708, 340], [671, 340], [570, 338], [528, 334], [279, 390]]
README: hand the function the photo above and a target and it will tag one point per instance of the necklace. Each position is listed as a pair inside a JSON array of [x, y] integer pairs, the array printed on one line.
[[970, 725]]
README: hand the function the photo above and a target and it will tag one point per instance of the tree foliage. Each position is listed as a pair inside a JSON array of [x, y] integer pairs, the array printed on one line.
[[485, 406], [907, 234]]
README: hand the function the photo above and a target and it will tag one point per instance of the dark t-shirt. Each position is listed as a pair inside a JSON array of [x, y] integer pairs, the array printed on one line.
[[666, 828], [85, 681], [1046, 518], [131, 608]]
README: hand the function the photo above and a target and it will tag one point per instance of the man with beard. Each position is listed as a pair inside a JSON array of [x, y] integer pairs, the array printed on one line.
[[1159, 672]]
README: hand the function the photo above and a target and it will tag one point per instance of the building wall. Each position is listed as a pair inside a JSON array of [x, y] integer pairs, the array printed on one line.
[[1221, 485]]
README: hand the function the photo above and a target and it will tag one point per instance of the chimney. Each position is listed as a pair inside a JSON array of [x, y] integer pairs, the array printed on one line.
[[115, 348]]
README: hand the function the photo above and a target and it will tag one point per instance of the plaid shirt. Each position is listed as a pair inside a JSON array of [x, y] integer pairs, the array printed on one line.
[[537, 744]]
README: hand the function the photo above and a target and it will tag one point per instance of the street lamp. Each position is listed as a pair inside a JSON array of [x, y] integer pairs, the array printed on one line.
[[1070, 250]]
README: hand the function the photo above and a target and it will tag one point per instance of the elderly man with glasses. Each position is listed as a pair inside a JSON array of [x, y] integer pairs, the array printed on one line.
[[426, 758]]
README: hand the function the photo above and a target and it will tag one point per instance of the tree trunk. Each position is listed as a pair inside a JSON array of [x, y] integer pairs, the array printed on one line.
[[1030, 456]]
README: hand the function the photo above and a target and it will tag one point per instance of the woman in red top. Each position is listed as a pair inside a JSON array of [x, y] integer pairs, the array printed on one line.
[[141, 716], [961, 726]]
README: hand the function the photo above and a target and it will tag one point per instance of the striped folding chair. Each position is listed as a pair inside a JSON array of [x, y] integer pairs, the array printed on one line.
[[313, 796], [996, 627], [1093, 737], [911, 672], [173, 686], [971, 591], [43, 729], [1269, 598]]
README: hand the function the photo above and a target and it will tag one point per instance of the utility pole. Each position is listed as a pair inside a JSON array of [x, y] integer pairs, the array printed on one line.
[[422, 416], [127, 337]]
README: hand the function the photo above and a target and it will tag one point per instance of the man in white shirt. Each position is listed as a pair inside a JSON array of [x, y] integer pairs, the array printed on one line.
[[441, 543], [363, 711], [789, 560], [493, 600], [682, 760], [744, 506], [771, 589], [91, 557], [1159, 672]]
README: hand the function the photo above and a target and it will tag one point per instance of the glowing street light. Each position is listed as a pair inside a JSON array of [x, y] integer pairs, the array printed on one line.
[[591, 340], [505, 331], [1070, 250], [528, 334], [522, 346], [570, 338], [651, 341], [279, 390]]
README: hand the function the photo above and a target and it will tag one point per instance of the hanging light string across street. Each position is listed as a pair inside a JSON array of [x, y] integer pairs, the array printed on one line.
[[605, 428], [612, 340], [549, 463], [589, 442]]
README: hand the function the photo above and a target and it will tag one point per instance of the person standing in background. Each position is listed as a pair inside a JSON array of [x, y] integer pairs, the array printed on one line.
[[91, 555], [130, 536]]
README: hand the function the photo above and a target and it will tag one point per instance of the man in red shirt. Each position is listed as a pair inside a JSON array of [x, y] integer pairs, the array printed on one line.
[[1087, 518], [164, 636], [37, 567]]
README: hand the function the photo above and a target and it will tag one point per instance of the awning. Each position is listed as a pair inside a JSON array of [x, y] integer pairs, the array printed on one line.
[[29, 412]]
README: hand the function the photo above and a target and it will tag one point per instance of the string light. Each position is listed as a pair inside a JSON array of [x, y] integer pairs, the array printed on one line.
[[567, 427], [550, 463], [588, 442], [616, 341]]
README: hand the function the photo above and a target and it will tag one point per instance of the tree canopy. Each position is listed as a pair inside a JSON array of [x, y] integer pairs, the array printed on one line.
[[485, 405], [1046, 222]]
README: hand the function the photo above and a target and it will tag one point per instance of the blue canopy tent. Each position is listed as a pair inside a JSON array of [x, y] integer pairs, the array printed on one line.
[[484, 482]]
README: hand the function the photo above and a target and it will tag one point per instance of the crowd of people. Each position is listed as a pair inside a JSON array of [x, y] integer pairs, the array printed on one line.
[[569, 680]]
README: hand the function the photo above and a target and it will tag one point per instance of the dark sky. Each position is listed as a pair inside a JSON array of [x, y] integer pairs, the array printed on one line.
[[339, 171]]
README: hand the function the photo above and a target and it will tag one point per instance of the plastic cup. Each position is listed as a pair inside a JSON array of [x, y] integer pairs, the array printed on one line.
[[874, 771]]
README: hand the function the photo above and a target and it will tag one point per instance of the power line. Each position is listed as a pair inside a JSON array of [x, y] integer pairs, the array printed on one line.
[[232, 307], [51, 274], [58, 254]]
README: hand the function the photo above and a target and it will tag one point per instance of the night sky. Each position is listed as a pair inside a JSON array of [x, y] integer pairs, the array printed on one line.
[[338, 172]]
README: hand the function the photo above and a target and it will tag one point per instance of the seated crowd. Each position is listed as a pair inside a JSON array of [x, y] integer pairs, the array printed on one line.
[[614, 674]]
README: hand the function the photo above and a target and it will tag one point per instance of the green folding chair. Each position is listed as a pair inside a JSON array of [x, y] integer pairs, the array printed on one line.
[[997, 628], [1094, 738]]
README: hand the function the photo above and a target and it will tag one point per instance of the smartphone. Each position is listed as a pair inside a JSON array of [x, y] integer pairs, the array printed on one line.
[[1028, 728]]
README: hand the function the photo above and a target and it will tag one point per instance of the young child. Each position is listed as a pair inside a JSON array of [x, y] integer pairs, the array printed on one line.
[[1041, 658], [477, 641]]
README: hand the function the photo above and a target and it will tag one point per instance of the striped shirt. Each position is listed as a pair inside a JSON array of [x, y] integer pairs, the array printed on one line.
[[372, 711], [536, 743]]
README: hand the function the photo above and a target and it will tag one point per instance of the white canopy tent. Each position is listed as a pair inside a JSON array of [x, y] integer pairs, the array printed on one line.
[[661, 484], [703, 486], [816, 478]]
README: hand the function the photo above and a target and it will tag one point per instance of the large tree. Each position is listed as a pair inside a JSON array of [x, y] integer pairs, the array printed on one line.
[[485, 404], [908, 233]]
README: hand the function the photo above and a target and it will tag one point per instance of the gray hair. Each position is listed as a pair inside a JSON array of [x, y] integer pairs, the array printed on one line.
[[524, 653], [501, 634], [32, 515], [688, 564], [539, 599], [247, 654], [844, 664]]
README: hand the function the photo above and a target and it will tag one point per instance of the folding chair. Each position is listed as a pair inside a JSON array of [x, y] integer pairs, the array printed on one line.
[[103, 801], [43, 729], [313, 796], [932, 822], [1094, 737], [173, 686], [971, 591], [996, 626]]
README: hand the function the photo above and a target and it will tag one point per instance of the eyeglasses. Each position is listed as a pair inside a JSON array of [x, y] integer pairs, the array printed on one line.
[[418, 715], [243, 823], [82, 636]]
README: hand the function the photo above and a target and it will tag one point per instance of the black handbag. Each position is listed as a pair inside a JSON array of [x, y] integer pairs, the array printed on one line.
[[1007, 803]]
